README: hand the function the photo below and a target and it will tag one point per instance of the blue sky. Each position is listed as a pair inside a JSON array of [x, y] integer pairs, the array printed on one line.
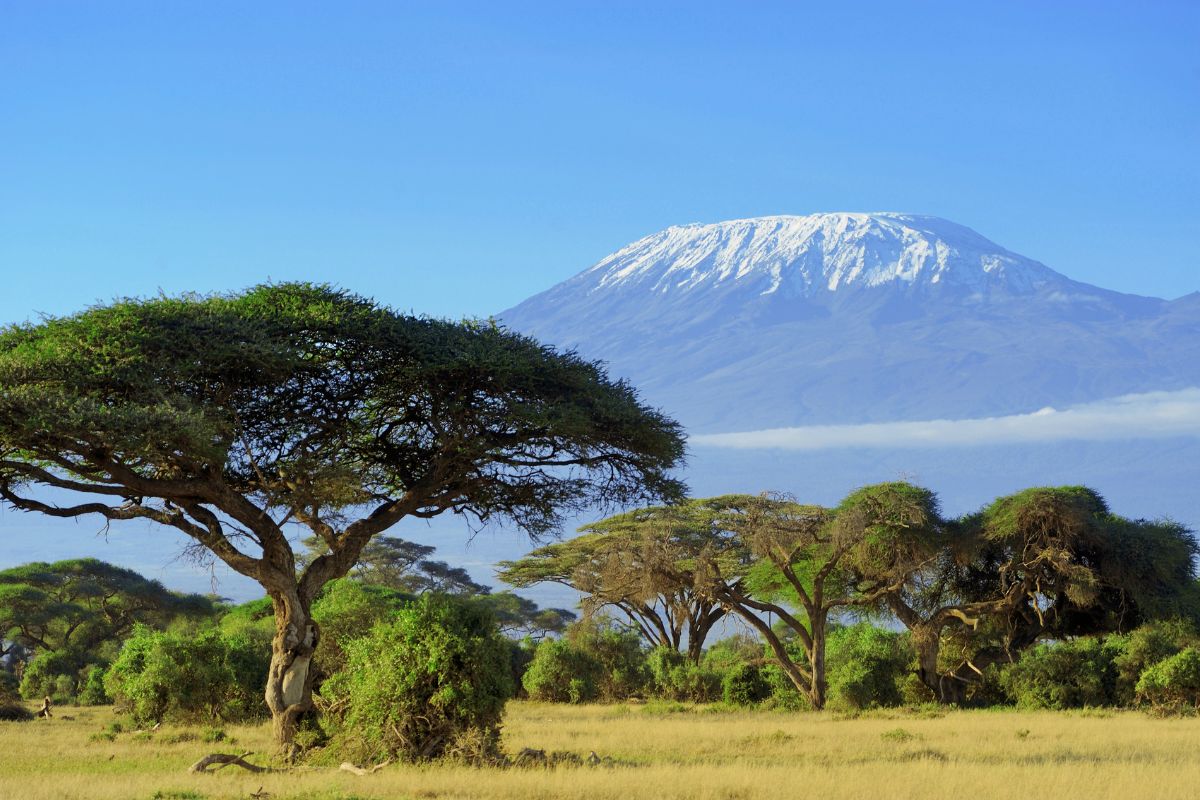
[[454, 158]]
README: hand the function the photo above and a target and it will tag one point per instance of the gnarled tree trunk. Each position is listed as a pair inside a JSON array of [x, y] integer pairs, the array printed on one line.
[[290, 677]]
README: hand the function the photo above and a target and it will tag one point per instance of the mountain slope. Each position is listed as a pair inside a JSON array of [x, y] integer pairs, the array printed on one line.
[[829, 318]]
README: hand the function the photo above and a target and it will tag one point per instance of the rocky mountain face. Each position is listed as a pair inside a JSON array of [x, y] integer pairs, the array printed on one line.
[[845, 318]]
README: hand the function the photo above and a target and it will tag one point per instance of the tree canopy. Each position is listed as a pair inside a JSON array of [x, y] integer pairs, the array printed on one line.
[[82, 603], [229, 417]]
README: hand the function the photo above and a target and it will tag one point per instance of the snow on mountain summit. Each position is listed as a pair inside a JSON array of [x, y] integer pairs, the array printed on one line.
[[810, 254]]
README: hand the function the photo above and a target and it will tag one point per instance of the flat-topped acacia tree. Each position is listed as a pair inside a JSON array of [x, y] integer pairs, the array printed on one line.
[[232, 417]]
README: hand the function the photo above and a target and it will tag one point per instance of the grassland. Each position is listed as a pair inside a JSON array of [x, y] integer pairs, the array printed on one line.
[[660, 753]]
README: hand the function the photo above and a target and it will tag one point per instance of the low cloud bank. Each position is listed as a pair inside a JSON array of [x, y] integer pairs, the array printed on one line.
[[1133, 416]]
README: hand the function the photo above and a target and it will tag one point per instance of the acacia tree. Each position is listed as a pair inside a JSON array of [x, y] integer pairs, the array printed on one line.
[[402, 565], [775, 562], [607, 565], [230, 417], [83, 603], [1042, 563]]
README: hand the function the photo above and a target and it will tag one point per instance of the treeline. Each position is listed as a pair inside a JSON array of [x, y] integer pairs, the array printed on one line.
[[1155, 666], [84, 631], [1044, 598], [1018, 601]]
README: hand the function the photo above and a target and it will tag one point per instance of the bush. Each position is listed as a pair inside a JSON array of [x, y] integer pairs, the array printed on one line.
[[1174, 683], [619, 653], [1142, 648], [433, 682], [9, 687], [206, 675], [53, 674], [744, 685], [347, 610], [731, 652], [14, 712], [674, 677], [1062, 675], [562, 673], [867, 666], [92, 693]]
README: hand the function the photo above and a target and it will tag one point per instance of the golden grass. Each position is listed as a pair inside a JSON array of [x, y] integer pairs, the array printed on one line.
[[967, 755]]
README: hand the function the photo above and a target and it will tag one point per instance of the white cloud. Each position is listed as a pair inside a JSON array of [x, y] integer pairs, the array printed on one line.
[[1133, 416]]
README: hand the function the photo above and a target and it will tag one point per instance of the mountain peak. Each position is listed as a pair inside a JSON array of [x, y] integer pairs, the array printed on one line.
[[817, 253]]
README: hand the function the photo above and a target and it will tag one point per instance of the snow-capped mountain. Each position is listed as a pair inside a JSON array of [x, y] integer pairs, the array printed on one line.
[[817, 253], [843, 317]]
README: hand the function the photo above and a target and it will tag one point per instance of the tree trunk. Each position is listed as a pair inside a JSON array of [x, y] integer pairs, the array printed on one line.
[[927, 641], [290, 677], [817, 688]]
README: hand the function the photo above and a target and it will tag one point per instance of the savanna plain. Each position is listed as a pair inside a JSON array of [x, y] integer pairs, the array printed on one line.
[[650, 751]]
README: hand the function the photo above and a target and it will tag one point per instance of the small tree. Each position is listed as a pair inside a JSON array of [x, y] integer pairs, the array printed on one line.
[[607, 565], [228, 418]]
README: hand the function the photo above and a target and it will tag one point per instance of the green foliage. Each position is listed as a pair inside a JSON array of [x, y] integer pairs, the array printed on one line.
[[619, 653], [1173, 684], [867, 666], [1140, 649], [82, 607], [426, 684], [347, 610], [744, 685], [9, 687], [93, 693], [188, 677], [53, 674], [562, 672], [1060, 675], [732, 652], [676, 678]]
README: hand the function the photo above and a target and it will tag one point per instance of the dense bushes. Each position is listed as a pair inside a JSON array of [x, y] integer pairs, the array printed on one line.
[[595, 661], [432, 681], [867, 666], [745, 685], [561, 672], [1063, 675], [1173, 684], [54, 674], [674, 677], [189, 675]]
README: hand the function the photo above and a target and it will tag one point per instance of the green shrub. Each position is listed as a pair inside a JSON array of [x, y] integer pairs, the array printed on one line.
[[206, 675], [92, 693], [9, 687], [619, 653], [1142, 648], [53, 674], [1174, 683], [731, 652], [744, 685], [347, 610], [1062, 675], [560, 672], [432, 682], [867, 666], [676, 678]]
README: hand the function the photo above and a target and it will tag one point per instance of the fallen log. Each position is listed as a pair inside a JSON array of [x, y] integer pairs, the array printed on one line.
[[224, 760], [348, 767]]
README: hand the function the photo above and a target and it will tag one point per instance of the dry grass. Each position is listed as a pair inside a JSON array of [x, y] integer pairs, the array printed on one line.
[[693, 754]]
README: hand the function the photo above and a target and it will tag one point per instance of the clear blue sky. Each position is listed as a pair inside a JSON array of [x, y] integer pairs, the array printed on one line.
[[454, 158]]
